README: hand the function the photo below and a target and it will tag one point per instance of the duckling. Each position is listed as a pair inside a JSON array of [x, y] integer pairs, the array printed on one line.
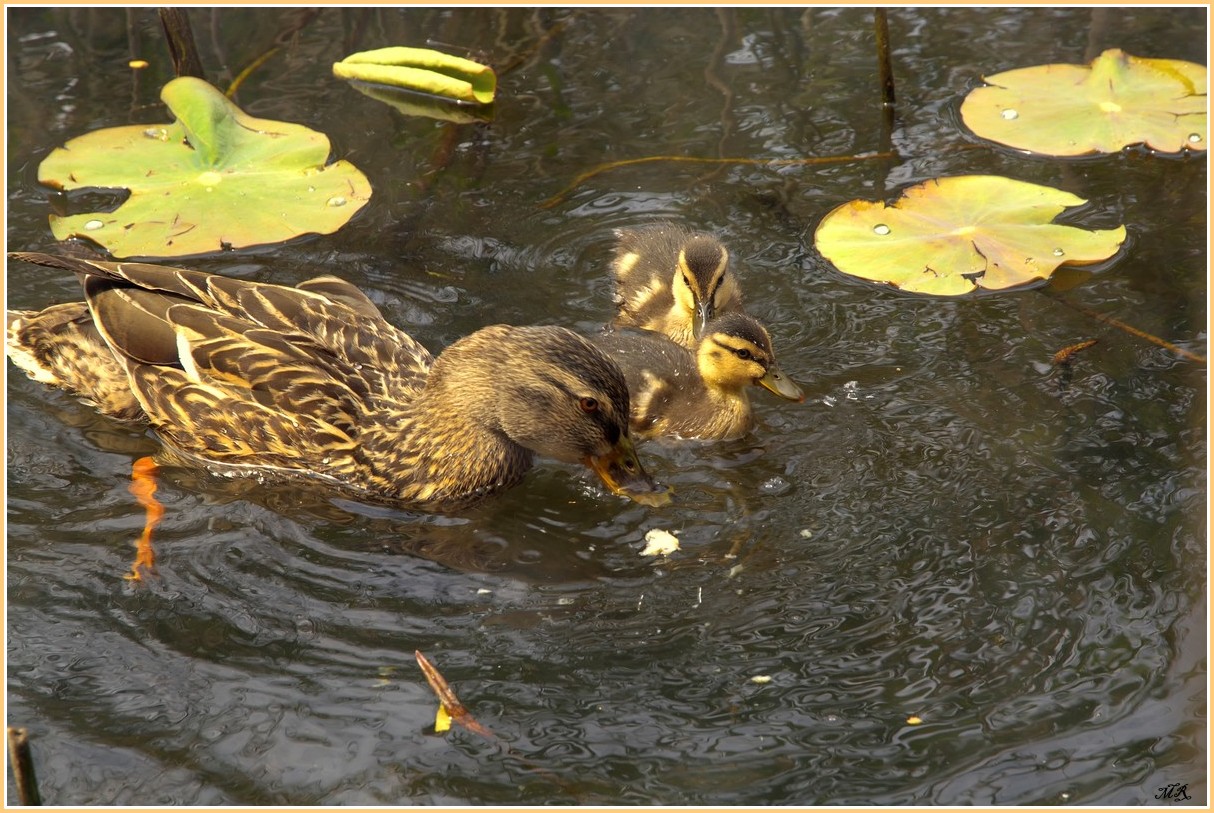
[[672, 280], [311, 380], [697, 395]]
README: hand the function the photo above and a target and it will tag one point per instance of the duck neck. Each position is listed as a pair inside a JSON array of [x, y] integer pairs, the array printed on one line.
[[731, 412]]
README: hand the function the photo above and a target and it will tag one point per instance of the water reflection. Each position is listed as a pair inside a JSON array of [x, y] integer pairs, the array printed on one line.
[[945, 530]]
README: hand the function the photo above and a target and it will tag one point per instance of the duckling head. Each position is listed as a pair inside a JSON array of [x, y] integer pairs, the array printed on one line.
[[703, 283], [553, 392], [735, 351]]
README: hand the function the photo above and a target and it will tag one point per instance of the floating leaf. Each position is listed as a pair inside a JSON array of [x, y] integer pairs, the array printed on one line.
[[215, 179], [1117, 101], [423, 70], [448, 702], [1067, 354], [951, 236]]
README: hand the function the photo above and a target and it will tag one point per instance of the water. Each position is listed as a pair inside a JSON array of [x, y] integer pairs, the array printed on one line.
[[961, 576]]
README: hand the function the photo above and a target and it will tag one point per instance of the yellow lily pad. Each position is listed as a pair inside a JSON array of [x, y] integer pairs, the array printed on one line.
[[215, 179], [422, 70], [952, 236], [1115, 102]]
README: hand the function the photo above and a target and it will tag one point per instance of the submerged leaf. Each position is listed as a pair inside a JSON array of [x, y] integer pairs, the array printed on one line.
[[1116, 101], [955, 235], [215, 179]]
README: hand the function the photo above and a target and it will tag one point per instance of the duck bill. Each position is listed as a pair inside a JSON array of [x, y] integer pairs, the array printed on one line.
[[701, 316], [621, 471], [780, 384]]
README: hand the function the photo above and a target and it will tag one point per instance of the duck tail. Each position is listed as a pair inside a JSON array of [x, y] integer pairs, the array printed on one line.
[[60, 346]]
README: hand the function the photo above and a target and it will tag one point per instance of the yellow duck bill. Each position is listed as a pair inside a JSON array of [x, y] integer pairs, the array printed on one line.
[[621, 471], [781, 385]]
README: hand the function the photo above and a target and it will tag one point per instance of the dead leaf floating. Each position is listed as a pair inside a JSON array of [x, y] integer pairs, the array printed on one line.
[[450, 708], [214, 179], [1067, 354], [953, 236], [1117, 101]]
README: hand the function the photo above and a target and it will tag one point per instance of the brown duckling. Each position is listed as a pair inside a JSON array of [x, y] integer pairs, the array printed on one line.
[[672, 280], [700, 394], [313, 381]]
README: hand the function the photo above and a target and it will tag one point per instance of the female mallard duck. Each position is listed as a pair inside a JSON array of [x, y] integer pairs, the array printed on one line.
[[702, 395], [672, 280], [312, 380]]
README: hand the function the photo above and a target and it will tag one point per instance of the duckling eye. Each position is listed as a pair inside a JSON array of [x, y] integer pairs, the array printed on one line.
[[686, 281], [744, 354], [588, 404]]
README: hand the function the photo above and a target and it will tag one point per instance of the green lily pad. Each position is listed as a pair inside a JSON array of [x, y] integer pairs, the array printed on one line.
[[422, 70], [215, 179], [952, 236], [1117, 101]]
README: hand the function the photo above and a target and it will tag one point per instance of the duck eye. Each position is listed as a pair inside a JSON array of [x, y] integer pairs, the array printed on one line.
[[743, 354], [686, 281], [588, 404]]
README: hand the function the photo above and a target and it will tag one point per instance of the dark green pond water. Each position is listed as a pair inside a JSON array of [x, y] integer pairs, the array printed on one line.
[[949, 528]]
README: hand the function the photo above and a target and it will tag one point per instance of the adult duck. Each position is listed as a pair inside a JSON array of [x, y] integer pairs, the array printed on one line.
[[311, 380]]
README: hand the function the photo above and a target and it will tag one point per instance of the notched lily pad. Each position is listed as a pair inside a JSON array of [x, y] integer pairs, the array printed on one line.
[[952, 236], [1115, 102], [215, 179], [424, 71]]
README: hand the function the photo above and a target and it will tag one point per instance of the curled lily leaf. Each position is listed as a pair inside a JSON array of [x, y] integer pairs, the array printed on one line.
[[423, 70]]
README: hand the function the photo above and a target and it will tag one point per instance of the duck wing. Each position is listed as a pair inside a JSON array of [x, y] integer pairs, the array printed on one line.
[[250, 373]]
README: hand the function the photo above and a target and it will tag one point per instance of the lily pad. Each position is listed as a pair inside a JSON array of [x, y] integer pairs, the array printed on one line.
[[952, 236], [215, 179], [422, 70], [1115, 102]]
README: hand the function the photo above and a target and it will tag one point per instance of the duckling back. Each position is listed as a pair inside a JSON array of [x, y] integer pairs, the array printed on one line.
[[670, 397], [672, 280]]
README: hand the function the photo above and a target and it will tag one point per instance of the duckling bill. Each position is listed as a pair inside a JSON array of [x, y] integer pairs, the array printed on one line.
[[677, 393], [311, 380]]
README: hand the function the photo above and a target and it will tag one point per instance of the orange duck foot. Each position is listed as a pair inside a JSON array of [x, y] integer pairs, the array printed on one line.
[[143, 486]]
